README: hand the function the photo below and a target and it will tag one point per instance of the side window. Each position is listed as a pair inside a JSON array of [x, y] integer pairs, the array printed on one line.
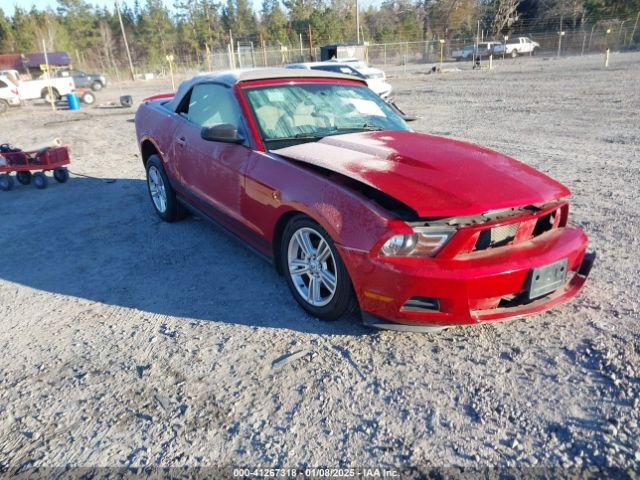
[[348, 71], [210, 104], [3, 85], [325, 68]]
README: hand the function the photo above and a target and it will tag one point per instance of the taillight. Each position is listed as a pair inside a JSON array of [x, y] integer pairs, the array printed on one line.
[[14, 91]]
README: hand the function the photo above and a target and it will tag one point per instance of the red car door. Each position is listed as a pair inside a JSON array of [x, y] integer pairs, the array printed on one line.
[[211, 172]]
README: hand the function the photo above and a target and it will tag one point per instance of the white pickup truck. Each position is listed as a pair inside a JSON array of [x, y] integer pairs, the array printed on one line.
[[517, 46], [32, 89]]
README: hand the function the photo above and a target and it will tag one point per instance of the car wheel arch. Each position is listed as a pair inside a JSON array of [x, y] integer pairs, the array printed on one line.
[[278, 232], [148, 148], [289, 214]]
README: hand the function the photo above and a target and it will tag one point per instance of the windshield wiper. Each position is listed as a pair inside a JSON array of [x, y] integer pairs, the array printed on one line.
[[298, 137], [307, 135], [367, 127]]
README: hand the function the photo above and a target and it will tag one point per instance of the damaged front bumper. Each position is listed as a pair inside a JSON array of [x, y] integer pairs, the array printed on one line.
[[433, 294]]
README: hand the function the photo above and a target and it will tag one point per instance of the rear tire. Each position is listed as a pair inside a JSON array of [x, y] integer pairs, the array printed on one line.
[[47, 98], [24, 177], [6, 182], [330, 306], [514, 53], [162, 195], [95, 86], [40, 180], [4, 106], [61, 175]]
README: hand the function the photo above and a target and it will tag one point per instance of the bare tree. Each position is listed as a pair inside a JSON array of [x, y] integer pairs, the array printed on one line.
[[107, 42], [505, 16]]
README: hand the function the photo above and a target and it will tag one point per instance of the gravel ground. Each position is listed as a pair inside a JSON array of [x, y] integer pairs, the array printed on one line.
[[126, 341]]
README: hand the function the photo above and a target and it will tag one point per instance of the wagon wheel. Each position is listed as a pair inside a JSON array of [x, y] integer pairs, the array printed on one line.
[[88, 98], [40, 180], [24, 177], [6, 182], [61, 174]]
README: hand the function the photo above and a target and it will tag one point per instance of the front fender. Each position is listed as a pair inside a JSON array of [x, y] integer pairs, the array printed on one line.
[[276, 186]]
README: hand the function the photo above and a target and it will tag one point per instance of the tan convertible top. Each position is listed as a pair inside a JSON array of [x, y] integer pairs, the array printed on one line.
[[232, 77]]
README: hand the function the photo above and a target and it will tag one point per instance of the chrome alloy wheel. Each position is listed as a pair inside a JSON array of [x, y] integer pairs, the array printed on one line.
[[312, 267], [156, 189]]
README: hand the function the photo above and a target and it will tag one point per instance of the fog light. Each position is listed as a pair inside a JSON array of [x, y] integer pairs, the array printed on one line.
[[420, 304]]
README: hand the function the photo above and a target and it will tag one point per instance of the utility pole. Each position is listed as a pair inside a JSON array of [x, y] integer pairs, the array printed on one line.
[[301, 52], [126, 44], [232, 55], [357, 22], [264, 53], [560, 34], [310, 43], [633, 32], [606, 52], [208, 50], [46, 61], [477, 45]]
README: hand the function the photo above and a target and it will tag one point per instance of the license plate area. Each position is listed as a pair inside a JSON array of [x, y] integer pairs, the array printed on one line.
[[544, 280]]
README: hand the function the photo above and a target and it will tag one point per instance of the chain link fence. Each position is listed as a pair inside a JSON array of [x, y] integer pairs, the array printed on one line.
[[615, 35]]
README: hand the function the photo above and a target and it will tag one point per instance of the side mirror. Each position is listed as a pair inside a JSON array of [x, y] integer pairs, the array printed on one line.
[[225, 132]]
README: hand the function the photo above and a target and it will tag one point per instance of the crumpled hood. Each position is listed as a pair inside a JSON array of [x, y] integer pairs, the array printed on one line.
[[435, 176]]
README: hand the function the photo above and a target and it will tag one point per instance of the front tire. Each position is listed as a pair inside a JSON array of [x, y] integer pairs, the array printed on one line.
[[163, 197], [4, 106], [95, 86], [24, 177], [314, 271]]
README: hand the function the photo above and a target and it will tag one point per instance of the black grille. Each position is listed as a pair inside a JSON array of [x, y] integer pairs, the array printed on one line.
[[496, 236]]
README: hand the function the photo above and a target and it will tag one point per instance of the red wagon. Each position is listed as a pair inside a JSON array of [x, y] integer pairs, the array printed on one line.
[[31, 166]]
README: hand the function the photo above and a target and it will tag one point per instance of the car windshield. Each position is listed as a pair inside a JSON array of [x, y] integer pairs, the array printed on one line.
[[291, 114]]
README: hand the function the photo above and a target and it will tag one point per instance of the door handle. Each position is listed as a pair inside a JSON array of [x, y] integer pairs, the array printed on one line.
[[181, 141]]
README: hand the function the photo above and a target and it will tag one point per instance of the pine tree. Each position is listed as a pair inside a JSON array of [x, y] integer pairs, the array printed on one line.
[[7, 42]]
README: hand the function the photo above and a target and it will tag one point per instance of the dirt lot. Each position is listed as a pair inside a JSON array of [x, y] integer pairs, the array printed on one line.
[[126, 341]]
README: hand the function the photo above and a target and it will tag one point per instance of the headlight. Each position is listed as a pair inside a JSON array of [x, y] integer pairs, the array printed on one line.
[[423, 242]]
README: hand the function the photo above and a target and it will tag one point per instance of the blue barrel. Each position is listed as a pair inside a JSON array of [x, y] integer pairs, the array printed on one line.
[[74, 101]]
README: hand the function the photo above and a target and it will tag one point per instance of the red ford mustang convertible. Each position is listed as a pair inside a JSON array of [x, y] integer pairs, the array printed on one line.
[[316, 172]]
